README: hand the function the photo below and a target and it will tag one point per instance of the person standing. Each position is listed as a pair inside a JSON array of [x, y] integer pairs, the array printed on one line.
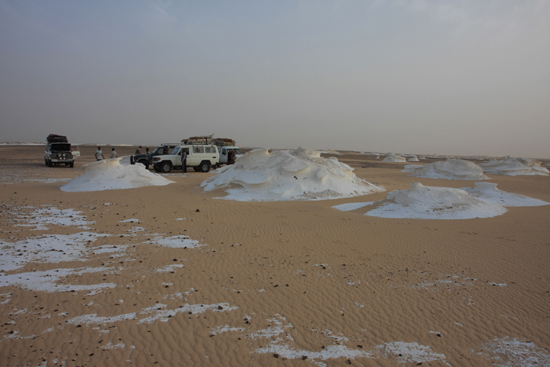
[[183, 160], [138, 150], [114, 154], [231, 157], [99, 154]]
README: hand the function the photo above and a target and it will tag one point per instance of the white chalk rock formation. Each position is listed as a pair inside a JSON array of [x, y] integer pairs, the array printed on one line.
[[514, 167], [394, 158], [110, 174], [451, 169], [299, 174], [488, 191], [428, 202]]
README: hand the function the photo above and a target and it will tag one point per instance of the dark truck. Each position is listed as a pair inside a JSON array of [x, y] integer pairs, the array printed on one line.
[[147, 161], [58, 151]]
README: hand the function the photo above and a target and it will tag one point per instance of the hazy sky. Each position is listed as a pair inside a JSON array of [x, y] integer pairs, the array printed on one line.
[[447, 77]]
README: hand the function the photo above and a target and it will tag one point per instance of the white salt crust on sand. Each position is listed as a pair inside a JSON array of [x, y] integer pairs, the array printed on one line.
[[49, 215], [46, 249], [510, 351], [484, 200], [47, 281], [110, 174], [514, 167], [282, 345], [451, 169], [299, 174]]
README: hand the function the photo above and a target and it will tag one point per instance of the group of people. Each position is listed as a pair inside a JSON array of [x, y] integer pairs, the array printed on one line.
[[99, 154], [138, 151]]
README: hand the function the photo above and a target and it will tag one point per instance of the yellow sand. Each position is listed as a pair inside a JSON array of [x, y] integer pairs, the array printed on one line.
[[274, 283]]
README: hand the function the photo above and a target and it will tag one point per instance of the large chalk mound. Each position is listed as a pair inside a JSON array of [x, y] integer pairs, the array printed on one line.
[[299, 174], [421, 202], [514, 167], [488, 192], [110, 174], [426, 202], [451, 169]]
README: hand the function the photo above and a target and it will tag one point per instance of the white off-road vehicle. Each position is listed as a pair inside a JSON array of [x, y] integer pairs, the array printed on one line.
[[200, 157], [58, 151]]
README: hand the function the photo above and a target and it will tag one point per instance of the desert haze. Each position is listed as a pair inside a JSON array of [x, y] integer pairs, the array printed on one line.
[[269, 263]]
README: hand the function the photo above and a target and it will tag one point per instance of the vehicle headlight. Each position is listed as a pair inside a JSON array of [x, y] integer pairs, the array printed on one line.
[[156, 158]]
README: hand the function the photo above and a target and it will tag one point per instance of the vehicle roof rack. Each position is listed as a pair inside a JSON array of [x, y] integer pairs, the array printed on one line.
[[54, 138]]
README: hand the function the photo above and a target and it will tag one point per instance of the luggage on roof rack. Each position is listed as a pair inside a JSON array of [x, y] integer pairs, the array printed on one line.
[[54, 138], [221, 142], [199, 140]]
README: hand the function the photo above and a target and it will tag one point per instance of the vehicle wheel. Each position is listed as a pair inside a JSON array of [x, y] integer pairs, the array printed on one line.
[[205, 166], [71, 164], [166, 167], [156, 168]]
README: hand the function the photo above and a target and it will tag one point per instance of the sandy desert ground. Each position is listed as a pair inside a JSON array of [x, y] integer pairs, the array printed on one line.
[[171, 276]]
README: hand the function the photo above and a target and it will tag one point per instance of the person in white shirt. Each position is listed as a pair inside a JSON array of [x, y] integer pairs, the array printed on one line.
[[114, 154], [99, 154]]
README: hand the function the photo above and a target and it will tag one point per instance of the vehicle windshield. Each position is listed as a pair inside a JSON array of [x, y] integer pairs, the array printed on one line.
[[175, 151], [237, 151], [60, 147]]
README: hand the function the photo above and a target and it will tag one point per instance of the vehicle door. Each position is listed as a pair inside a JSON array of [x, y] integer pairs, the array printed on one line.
[[223, 156], [196, 155], [212, 154], [174, 157]]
